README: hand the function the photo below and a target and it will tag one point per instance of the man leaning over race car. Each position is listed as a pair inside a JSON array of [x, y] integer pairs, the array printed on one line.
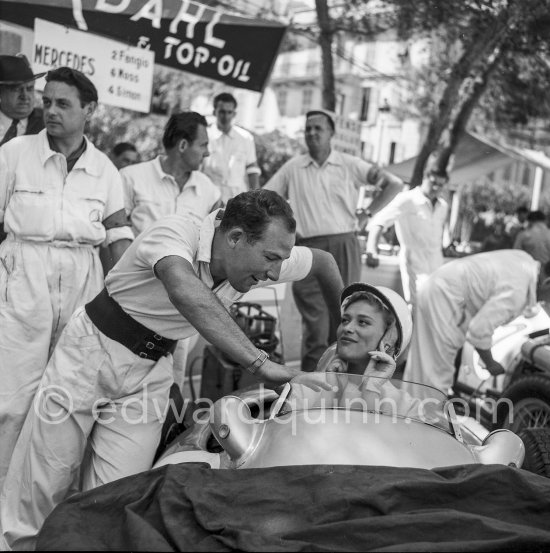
[[175, 280]]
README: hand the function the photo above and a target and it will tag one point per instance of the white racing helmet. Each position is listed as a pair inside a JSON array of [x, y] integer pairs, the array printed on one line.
[[395, 303]]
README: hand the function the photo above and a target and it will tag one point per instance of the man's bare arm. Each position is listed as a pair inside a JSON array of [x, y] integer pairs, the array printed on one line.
[[389, 186], [372, 246], [253, 181], [325, 269], [200, 306]]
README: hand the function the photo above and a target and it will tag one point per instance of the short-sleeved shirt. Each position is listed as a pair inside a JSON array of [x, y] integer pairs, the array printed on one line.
[[135, 287], [419, 227], [232, 157], [41, 201], [324, 198], [150, 193]]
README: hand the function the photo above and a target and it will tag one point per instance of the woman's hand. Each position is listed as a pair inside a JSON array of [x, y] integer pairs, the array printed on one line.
[[380, 365]]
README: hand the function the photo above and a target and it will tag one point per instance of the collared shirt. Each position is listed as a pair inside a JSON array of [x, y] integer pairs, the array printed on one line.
[[323, 198], [5, 124], [41, 201], [487, 290], [232, 157], [150, 193], [135, 287], [72, 158], [419, 228]]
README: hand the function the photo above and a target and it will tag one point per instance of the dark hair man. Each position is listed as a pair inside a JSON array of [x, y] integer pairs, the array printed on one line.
[[60, 198], [175, 280], [419, 216], [124, 154], [232, 164], [172, 183]]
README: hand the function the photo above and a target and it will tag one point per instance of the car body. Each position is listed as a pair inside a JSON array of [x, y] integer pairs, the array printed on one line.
[[520, 398], [346, 424]]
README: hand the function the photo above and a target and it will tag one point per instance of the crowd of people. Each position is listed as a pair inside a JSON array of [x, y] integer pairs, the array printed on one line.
[[110, 268], [184, 236]]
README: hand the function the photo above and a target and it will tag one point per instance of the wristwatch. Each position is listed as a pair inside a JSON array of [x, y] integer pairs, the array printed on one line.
[[258, 362]]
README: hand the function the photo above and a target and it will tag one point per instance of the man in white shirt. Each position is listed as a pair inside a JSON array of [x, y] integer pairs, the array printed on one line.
[[232, 164], [466, 299], [172, 183], [60, 198], [420, 216], [322, 188], [18, 115], [112, 367]]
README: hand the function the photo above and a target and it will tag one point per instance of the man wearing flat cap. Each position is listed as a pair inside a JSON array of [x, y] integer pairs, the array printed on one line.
[[17, 112], [322, 188]]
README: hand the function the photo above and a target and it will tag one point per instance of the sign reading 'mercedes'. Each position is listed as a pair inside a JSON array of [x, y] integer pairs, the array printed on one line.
[[198, 37], [123, 75]]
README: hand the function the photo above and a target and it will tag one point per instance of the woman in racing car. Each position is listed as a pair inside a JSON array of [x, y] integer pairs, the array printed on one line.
[[376, 326]]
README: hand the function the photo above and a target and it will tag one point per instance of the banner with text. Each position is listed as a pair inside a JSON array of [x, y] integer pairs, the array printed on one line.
[[123, 75], [198, 37]]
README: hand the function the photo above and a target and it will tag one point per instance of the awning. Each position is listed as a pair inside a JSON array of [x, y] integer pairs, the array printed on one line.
[[474, 157]]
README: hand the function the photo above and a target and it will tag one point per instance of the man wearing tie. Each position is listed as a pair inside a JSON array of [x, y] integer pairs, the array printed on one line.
[[17, 112]]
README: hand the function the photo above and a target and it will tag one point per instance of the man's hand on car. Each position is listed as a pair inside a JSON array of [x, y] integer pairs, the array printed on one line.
[[273, 375]]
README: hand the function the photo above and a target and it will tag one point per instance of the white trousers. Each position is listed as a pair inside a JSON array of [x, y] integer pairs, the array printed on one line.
[[437, 337], [97, 417], [411, 280], [180, 359], [40, 287]]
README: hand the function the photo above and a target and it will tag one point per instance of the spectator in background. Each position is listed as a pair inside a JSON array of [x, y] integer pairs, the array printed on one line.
[[124, 154], [322, 188], [497, 239], [420, 217], [232, 164], [518, 222], [535, 239], [60, 198], [172, 183], [18, 115]]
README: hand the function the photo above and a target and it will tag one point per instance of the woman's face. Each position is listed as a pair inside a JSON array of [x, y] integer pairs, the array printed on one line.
[[360, 331]]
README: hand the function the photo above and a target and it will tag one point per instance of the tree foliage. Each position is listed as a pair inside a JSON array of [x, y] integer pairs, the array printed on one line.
[[488, 56], [273, 149], [484, 40]]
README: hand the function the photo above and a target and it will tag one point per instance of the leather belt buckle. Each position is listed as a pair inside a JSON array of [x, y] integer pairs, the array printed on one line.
[[143, 355], [149, 345]]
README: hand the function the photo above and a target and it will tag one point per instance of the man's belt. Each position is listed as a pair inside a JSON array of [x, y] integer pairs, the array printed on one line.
[[115, 323]]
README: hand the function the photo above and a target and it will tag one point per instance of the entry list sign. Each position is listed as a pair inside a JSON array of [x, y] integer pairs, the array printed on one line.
[[123, 75]]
